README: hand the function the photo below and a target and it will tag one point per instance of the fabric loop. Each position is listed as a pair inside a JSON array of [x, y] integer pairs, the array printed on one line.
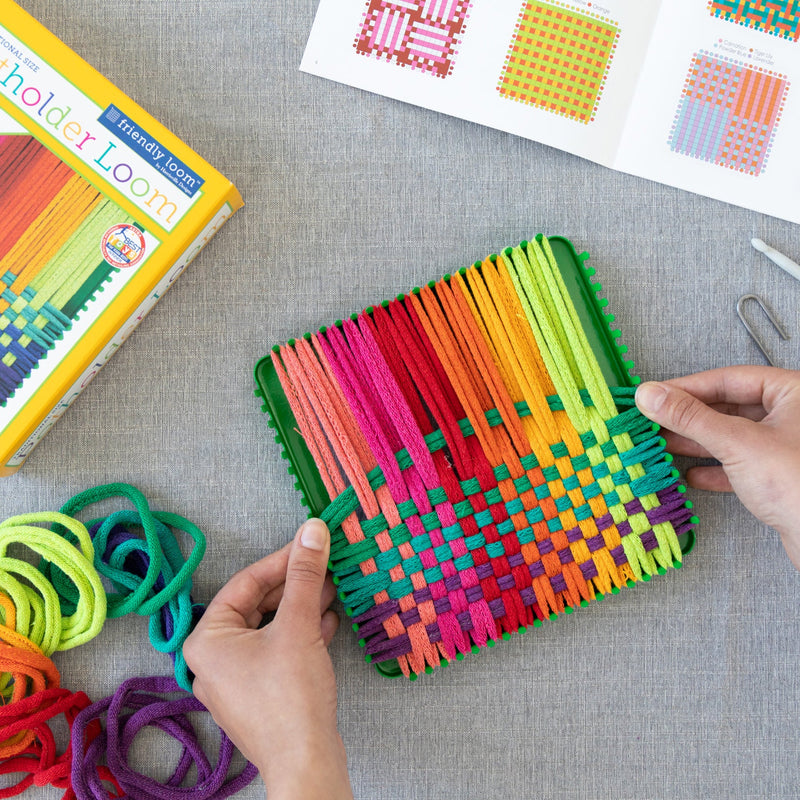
[[140, 703], [38, 761], [37, 602], [124, 559]]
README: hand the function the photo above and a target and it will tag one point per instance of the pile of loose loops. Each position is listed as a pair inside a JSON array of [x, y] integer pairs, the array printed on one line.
[[38, 761], [38, 603], [150, 575], [138, 703], [62, 603]]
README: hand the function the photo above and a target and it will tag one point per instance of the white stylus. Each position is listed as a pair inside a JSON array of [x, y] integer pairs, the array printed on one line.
[[784, 262]]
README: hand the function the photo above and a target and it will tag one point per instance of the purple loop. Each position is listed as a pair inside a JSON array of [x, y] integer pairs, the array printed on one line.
[[138, 703]]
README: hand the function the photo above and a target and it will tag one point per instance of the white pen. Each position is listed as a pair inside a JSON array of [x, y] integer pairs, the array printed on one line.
[[784, 262]]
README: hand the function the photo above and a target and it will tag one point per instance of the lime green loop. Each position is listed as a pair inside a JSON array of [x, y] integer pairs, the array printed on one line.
[[47, 634], [38, 626], [39, 611], [38, 621], [53, 518]]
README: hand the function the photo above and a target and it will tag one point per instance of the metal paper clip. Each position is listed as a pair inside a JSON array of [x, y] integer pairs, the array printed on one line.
[[770, 316]]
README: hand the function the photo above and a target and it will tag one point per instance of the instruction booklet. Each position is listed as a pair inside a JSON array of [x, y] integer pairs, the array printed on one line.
[[697, 94]]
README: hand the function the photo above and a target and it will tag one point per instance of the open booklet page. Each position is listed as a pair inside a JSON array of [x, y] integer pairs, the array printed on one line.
[[694, 93]]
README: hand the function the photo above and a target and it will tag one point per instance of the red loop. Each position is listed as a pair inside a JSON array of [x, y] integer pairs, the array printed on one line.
[[32, 672], [38, 760]]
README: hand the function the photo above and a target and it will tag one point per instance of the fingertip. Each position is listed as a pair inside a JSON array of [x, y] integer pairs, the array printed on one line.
[[306, 574], [314, 534], [650, 397]]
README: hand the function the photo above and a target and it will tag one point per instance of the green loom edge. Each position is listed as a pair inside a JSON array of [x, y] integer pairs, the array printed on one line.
[[604, 340]]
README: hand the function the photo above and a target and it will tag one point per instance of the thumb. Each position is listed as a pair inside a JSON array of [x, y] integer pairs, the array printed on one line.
[[305, 576], [687, 416]]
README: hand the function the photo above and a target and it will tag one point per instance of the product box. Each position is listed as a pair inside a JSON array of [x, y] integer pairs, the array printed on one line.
[[101, 208]]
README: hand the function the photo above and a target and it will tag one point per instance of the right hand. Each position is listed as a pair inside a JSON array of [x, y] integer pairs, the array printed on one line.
[[748, 418]]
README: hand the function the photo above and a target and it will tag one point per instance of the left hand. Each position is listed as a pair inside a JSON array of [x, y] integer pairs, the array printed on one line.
[[272, 689]]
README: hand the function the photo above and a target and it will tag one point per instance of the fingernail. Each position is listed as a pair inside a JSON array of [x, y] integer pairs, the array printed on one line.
[[314, 534], [650, 397]]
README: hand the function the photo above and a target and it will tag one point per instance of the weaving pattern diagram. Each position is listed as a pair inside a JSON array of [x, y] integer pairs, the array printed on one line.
[[558, 60], [421, 34], [729, 113], [777, 17], [484, 477], [50, 259]]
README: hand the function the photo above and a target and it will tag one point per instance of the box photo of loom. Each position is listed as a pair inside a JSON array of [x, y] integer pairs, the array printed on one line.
[[101, 208], [475, 448]]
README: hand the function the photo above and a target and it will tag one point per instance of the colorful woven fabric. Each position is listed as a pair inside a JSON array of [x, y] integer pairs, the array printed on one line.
[[50, 261], [728, 113], [776, 17], [421, 34], [484, 477], [558, 59]]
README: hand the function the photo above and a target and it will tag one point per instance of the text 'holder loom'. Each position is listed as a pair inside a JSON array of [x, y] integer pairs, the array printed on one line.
[[487, 464]]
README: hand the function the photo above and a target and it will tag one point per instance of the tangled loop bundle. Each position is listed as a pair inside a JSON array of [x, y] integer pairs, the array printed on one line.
[[38, 608], [149, 573], [139, 703], [63, 603], [123, 558], [35, 754], [25, 671]]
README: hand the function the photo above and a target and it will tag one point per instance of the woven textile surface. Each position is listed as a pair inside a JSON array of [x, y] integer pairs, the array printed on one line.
[[43, 283], [558, 60], [522, 505], [728, 113], [421, 34]]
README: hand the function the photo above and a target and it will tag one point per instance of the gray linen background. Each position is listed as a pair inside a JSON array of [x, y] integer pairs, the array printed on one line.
[[685, 688]]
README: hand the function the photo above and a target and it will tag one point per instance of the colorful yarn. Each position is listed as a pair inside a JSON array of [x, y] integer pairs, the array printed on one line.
[[25, 670], [484, 475], [130, 561], [63, 603], [139, 703], [39, 761], [37, 610], [50, 262], [151, 576]]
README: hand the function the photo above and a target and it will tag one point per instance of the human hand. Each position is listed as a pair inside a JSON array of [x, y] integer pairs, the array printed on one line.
[[272, 689], [748, 418]]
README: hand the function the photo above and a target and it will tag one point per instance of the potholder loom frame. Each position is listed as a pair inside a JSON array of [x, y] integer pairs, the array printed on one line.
[[603, 340]]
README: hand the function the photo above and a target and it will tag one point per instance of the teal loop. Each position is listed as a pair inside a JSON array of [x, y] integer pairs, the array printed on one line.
[[138, 552]]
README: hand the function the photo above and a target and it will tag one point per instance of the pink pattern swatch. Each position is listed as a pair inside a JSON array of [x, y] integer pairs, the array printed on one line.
[[421, 34]]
